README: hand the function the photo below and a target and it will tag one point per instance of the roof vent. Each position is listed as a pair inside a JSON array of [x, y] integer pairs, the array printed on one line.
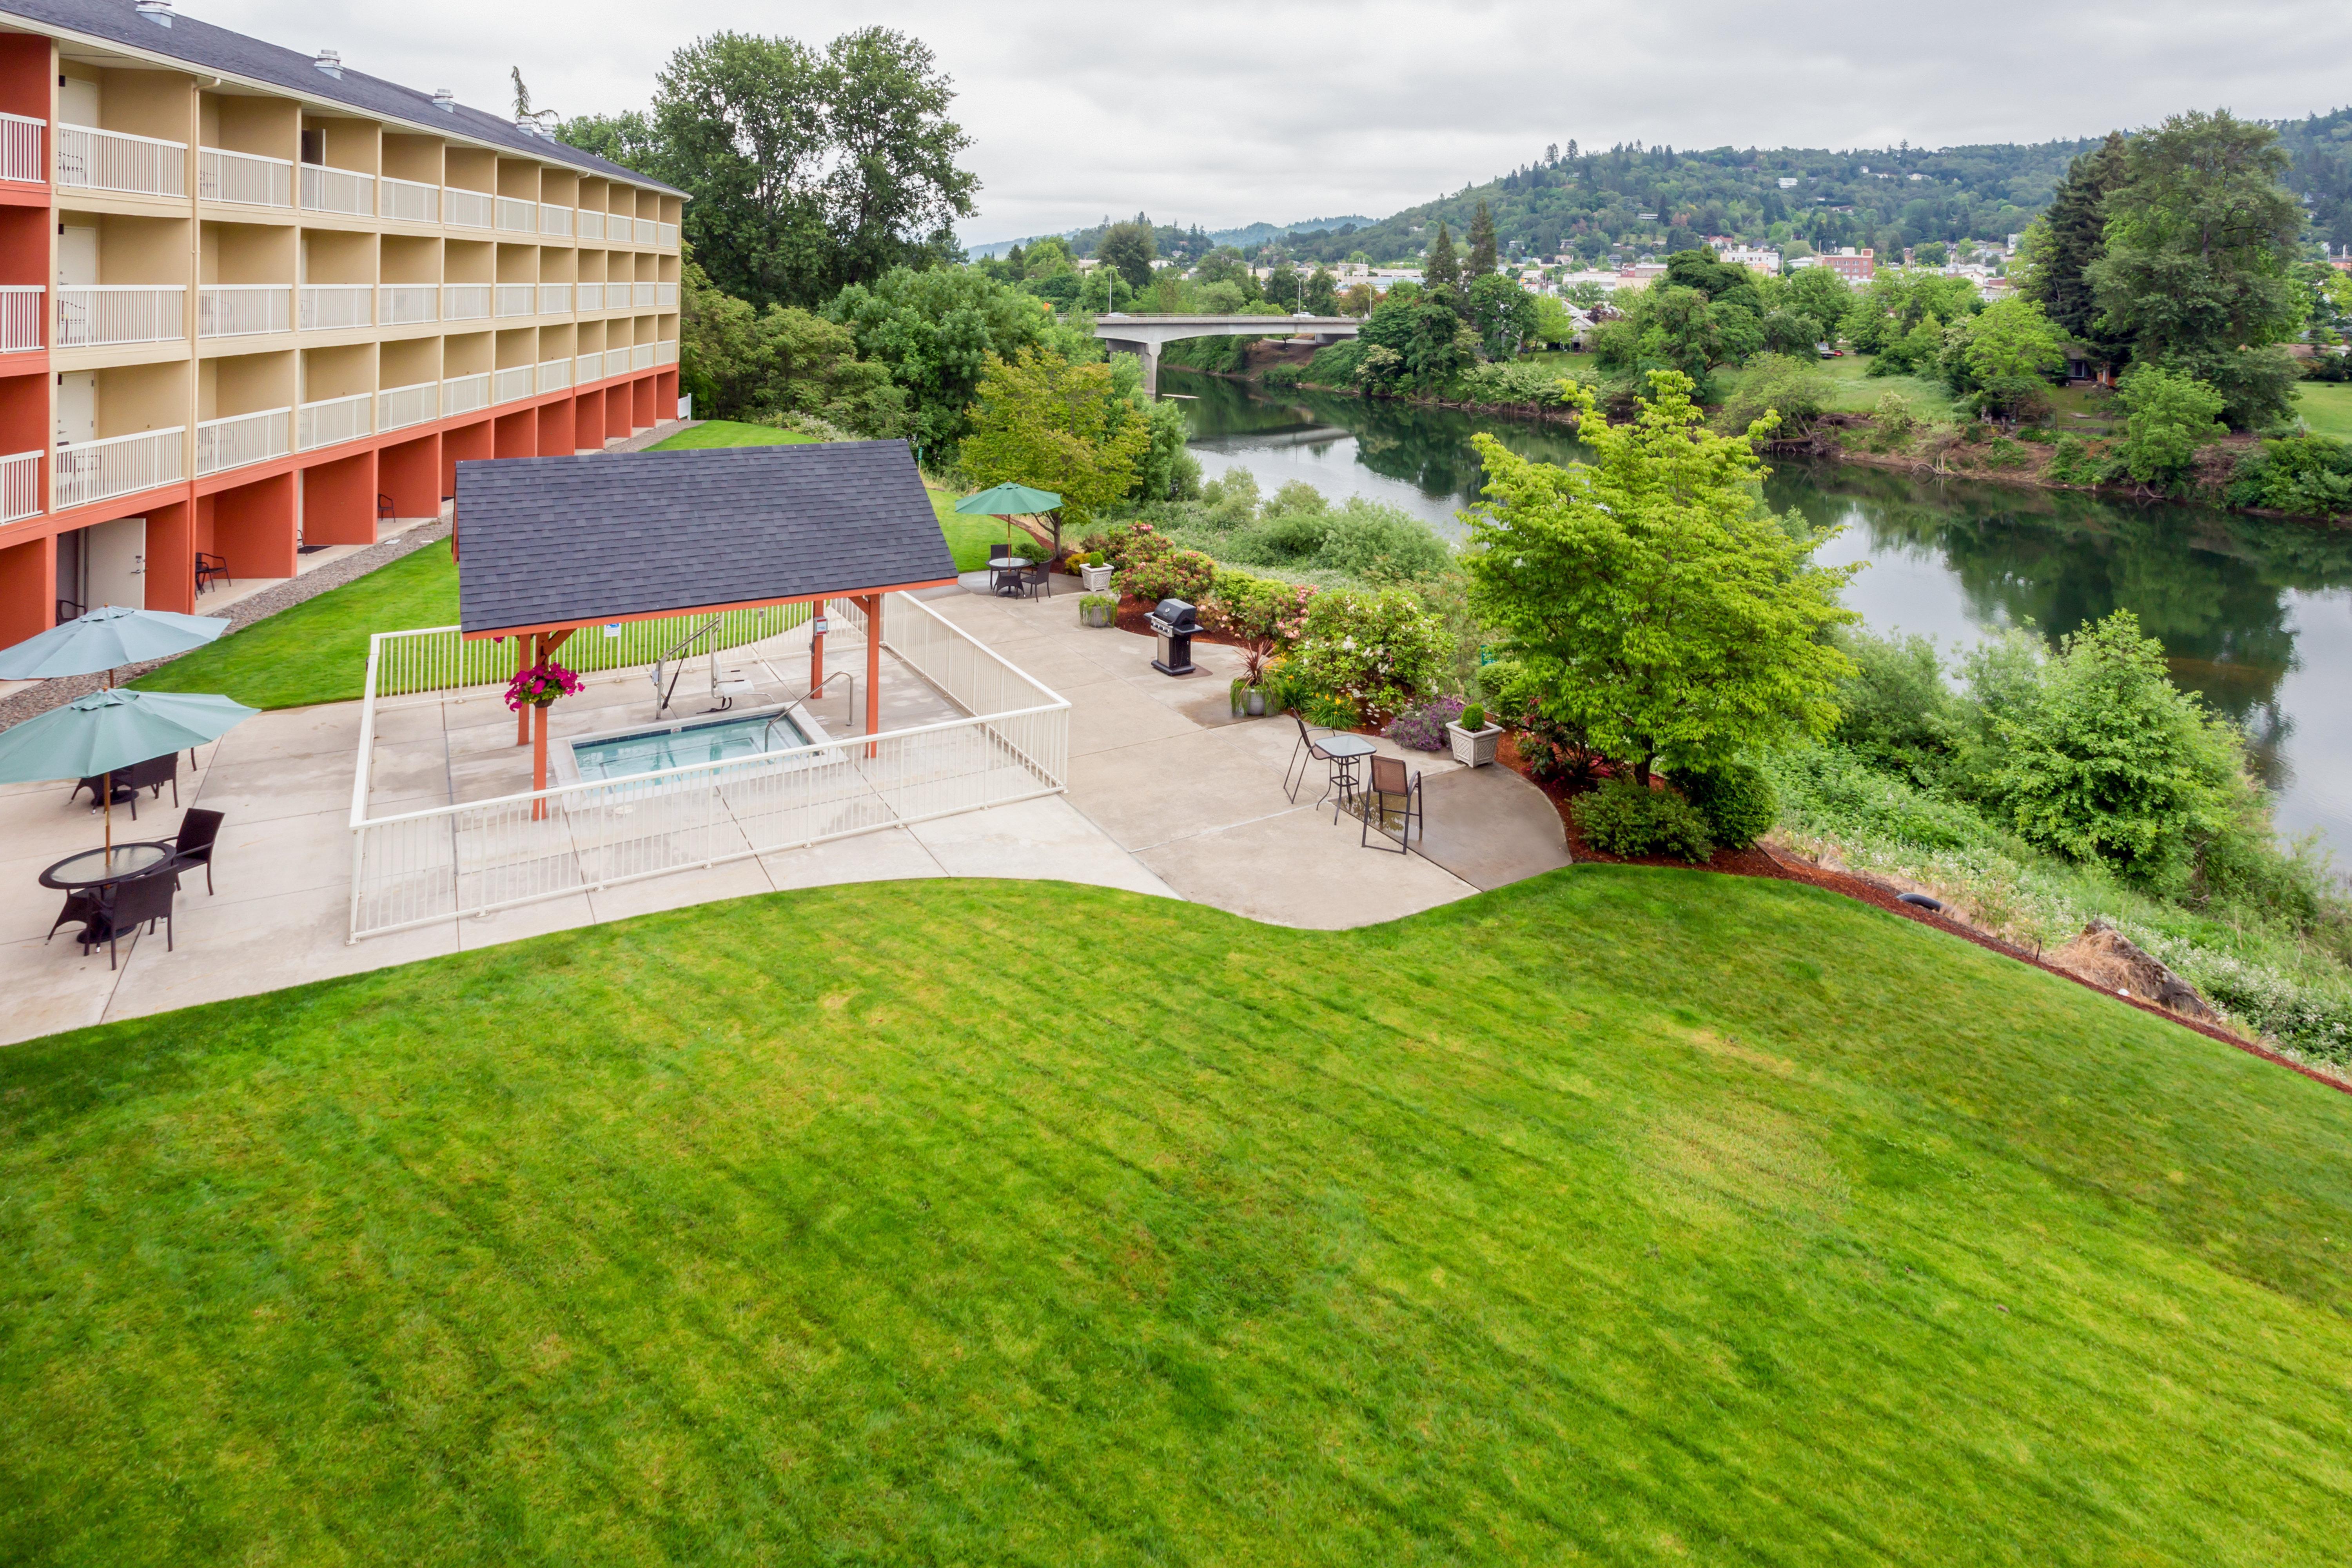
[[156, 11], [445, 100], [331, 62]]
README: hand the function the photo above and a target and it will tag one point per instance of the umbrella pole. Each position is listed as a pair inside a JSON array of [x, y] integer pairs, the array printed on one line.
[[106, 789]]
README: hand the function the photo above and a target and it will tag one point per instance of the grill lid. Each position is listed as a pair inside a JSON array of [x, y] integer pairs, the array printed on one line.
[[1176, 615]]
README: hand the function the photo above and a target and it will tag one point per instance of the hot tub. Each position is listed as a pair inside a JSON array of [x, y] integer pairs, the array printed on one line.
[[707, 738]]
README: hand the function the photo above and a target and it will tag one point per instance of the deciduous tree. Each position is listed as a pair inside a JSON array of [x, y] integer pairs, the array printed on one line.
[[1129, 248], [1043, 421]]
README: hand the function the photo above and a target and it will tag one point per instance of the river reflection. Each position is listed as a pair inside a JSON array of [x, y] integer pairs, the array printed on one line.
[[2255, 614]]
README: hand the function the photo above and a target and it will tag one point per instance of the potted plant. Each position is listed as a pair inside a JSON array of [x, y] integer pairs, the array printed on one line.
[[1474, 738], [1093, 572], [540, 686], [1249, 686], [1099, 610]]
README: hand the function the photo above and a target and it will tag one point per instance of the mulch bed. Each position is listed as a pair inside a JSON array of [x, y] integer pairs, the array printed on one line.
[[1760, 861], [1133, 615]]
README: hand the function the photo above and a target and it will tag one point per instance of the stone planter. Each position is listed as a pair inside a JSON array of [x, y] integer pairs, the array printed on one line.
[[1097, 615], [1474, 748], [1249, 701], [1095, 578]]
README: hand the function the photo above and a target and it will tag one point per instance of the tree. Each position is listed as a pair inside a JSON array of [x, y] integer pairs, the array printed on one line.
[[627, 139], [1442, 268], [1323, 292], [2072, 236], [1043, 421], [937, 330], [1794, 391], [1417, 342], [1129, 248], [1652, 600], [894, 192], [1817, 292], [2167, 417], [2001, 360], [1482, 259], [2200, 237], [742, 363], [1502, 313], [1554, 327]]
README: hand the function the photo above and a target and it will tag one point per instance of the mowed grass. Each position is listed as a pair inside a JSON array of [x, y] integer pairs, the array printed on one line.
[[2325, 407], [1623, 1215], [728, 432], [1853, 390]]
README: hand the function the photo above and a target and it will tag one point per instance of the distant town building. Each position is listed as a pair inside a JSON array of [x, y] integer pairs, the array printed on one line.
[[1786, 183], [1754, 257], [1856, 267]]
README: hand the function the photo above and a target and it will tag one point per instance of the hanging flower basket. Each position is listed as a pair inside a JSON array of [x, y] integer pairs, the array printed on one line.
[[541, 685]]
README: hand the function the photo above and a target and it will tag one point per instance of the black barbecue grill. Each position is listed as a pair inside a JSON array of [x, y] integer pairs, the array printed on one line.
[[1174, 622]]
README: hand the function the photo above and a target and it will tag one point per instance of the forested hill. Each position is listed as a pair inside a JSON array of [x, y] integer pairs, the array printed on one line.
[[2322, 148]]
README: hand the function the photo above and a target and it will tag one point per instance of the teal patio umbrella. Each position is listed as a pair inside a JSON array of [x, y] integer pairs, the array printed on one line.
[[107, 638], [1013, 500], [92, 736]]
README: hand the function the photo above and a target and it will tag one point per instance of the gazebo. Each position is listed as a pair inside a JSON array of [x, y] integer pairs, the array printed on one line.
[[556, 544]]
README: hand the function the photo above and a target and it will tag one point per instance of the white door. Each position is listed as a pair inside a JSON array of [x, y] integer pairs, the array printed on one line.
[[77, 256], [77, 102], [117, 562], [77, 406]]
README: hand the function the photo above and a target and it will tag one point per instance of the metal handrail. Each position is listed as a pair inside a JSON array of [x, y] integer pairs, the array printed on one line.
[[811, 695], [664, 693]]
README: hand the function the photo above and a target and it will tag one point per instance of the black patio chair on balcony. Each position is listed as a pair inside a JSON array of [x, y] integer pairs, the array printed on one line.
[[209, 566]]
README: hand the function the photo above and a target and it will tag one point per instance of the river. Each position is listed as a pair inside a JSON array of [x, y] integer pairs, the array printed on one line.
[[2255, 613]]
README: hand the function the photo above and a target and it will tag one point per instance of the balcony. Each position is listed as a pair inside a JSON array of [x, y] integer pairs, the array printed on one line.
[[331, 306], [20, 153], [555, 375], [642, 357], [335, 419], [644, 295], [517, 216], [665, 296], [464, 393], [555, 220], [589, 293], [517, 299], [648, 231], [20, 487], [400, 407], [242, 310], [591, 225], [617, 362], [465, 302], [467, 209], [20, 316], [96, 315], [554, 298], [511, 384], [93, 160], [406, 201], [245, 179], [668, 240], [243, 438], [89, 471], [406, 304], [326, 190], [666, 352], [587, 368]]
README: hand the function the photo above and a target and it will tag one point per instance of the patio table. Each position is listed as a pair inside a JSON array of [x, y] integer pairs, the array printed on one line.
[[97, 867], [1344, 751]]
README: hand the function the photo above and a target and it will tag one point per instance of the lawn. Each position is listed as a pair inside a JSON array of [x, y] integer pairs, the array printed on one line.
[[1853, 390], [728, 432], [1622, 1215], [2327, 408]]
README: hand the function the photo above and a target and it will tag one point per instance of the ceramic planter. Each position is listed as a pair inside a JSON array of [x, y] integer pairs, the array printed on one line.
[[1474, 748], [1095, 578], [1097, 615]]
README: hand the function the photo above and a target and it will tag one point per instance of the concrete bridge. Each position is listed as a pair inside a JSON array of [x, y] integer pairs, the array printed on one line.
[[1144, 334]]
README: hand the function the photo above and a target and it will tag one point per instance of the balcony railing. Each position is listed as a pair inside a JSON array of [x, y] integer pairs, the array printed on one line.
[[20, 152], [335, 419], [665, 296], [467, 209], [518, 299], [20, 487], [589, 295], [555, 375], [591, 225], [406, 304], [511, 384], [641, 357], [464, 393], [326, 190], [243, 438], [406, 201], [517, 216], [669, 237], [465, 301], [87, 471], [644, 295], [400, 407], [247, 179], [587, 368], [617, 362], [554, 298], [329, 307], [648, 231], [240, 310], [93, 160], [20, 316], [95, 314], [666, 352], [554, 220]]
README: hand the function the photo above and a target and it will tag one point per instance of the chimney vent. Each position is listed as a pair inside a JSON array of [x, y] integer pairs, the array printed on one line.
[[331, 62], [156, 11], [445, 100]]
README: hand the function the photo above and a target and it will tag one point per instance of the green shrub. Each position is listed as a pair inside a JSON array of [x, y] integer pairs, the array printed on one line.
[[1895, 711], [1336, 366], [2071, 462], [2167, 417], [1622, 818], [1796, 389], [1287, 373], [1736, 800], [2310, 476], [1377, 651], [1473, 717], [2005, 453], [1256, 607], [1185, 575], [1329, 712]]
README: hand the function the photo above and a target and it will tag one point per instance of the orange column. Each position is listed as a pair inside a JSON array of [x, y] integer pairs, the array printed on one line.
[[29, 589], [816, 650], [523, 661], [873, 669]]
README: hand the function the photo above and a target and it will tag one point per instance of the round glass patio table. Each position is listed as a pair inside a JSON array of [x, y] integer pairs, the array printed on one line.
[[1344, 751], [96, 867]]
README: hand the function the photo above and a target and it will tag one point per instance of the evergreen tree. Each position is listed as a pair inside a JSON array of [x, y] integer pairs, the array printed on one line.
[[1442, 270], [2075, 236], [1482, 259]]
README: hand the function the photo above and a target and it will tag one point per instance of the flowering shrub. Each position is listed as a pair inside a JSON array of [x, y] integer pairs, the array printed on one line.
[[1377, 651], [1183, 575], [1255, 608], [540, 685], [1422, 726]]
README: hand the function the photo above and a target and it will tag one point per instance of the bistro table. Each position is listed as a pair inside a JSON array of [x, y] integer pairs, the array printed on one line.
[[1344, 751], [1004, 574], [101, 868]]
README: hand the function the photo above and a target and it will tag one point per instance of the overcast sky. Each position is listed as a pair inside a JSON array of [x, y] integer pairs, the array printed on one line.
[[1230, 111]]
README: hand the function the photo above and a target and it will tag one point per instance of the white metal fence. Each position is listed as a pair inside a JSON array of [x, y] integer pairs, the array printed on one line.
[[409, 201], [90, 159], [419, 867], [329, 305], [335, 419], [94, 314], [641, 357], [20, 148], [465, 301], [647, 230], [399, 406], [464, 393], [20, 316], [406, 304], [242, 438], [244, 309], [467, 209], [248, 179], [645, 295], [617, 362], [666, 352], [326, 190], [20, 487], [89, 471]]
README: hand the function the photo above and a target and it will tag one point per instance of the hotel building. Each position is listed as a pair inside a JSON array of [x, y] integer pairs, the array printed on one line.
[[253, 300]]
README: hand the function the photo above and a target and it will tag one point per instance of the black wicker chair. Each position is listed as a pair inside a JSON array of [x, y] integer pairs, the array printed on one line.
[[132, 902], [194, 847]]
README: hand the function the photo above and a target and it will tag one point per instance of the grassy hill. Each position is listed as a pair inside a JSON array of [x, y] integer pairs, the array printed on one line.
[[1622, 1215]]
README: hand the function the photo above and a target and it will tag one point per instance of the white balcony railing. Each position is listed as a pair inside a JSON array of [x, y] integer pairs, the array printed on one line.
[[617, 362], [243, 438], [243, 311], [665, 296], [555, 375], [641, 357], [465, 301], [87, 471], [406, 304], [247, 179], [20, 152], [467, 209], [20, 316], [511, 384], [669, 237], [666, 352], [327, 307], [89, 315], [645, 295], [617, 296], [518, 299], [554, 220], [648, 230], [407, 201], [517, 216], [20, 487], [464, 393], [587, 368], [93, 160], [326, 190], [591, 225], [335, 419], [589, 295], [554, 298], [400, 407]]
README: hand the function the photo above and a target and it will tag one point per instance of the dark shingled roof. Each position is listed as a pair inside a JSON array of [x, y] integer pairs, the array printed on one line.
[[561, 541], [216, 51]]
